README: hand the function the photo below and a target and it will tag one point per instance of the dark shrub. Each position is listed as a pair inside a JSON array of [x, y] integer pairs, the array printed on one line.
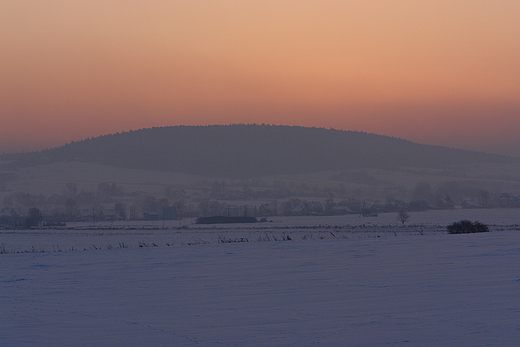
[[225, 219], [466, 227]]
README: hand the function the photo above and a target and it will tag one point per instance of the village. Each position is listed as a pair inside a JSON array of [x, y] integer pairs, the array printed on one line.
[[111, 203]]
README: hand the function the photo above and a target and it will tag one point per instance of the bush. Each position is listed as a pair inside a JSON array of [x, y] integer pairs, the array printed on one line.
[[466, 227]]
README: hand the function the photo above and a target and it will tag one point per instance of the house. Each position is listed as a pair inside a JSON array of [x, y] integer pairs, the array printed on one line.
[[352, 204], [446, 203], [369, 210], [300, 210], [315, 207], [470, 203], [109, 215], [268, 209], [229, 210], [85, 215], [506, 201], [246, 211], [171, 213], [340, 210], [151, 215]]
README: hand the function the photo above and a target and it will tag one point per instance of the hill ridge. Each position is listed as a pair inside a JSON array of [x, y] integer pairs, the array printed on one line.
[[248, 150]]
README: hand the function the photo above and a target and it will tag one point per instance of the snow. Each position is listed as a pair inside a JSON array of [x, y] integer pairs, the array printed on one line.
[[363, 289]]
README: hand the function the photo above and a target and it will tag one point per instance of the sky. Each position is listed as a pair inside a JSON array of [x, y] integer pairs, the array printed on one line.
[[438, 72]]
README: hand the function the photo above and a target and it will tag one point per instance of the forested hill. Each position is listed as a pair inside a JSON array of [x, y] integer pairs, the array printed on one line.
[[251, 150]]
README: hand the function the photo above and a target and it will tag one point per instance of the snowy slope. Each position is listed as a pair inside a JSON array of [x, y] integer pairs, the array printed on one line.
[[423, 290]]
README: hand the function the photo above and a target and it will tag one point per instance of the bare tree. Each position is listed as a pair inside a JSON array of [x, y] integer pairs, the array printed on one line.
[[71, 190], [403, 216]]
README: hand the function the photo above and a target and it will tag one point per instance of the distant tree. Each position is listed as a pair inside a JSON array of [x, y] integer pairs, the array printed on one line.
[[422, 192], [329, 205], [107, 190], [34, 219], [451, 188], [23, 201], [484, 196], [417, 205], [103, 190], [71, 190], [211, 208], [97, 208], [403, 216], [8, 201], [71, 207], [120, 209], [289, 205], [180, 207], [86, 198]]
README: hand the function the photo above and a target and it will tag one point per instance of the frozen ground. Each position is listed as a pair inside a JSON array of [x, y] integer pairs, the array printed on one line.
[[407, 288]]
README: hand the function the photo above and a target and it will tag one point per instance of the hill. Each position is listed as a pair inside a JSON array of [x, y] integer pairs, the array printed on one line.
[[239, 151]]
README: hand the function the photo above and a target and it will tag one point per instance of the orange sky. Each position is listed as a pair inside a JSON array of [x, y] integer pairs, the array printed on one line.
[[432, 71]]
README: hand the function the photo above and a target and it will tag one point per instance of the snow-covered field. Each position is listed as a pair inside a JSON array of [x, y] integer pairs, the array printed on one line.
[[364, 284], [84, 236]]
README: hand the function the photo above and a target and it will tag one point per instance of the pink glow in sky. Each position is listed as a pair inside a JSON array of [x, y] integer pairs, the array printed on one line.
[[433, 71]]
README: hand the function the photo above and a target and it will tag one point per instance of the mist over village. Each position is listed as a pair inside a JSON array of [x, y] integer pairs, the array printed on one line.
[[258, 197]]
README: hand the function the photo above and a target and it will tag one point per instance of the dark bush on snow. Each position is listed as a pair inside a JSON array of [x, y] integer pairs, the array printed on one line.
[[466, 227]]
